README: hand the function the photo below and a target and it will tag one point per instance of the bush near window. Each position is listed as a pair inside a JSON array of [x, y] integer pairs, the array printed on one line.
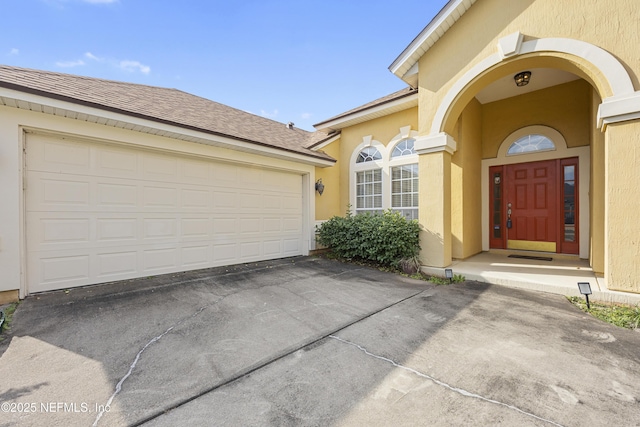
[[382, 238]]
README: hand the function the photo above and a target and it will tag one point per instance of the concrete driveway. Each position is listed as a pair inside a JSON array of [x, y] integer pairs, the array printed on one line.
[[308, 341]]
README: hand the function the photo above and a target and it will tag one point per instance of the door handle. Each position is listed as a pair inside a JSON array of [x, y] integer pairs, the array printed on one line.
[[509, 224]]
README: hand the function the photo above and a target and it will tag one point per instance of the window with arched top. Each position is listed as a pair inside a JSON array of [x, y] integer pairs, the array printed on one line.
[[386, 177], [530, 144], [404, 148], [369, 154]]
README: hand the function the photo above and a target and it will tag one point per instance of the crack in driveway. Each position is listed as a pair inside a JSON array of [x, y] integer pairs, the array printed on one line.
[[137, 358], [460, 391]]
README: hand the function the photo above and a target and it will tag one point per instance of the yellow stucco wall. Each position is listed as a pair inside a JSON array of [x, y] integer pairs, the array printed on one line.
[[566, 108], [435, 199], [570, 108], [383, 130], [328, 204], [622, 189], [475, 37], [597, 192], [466, 201]]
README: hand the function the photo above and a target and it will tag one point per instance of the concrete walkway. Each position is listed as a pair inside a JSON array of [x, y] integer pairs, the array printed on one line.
[[559, 276], [312, 342]]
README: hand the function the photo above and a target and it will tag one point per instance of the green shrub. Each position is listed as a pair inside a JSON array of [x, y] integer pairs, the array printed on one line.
[[382, 238]]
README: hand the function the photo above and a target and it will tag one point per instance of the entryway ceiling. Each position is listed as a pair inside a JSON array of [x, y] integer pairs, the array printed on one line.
[[541, 78]]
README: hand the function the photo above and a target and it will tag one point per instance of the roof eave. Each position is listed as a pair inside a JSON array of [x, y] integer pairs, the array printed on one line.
[[405, 65], [34, 100], [393, 106]]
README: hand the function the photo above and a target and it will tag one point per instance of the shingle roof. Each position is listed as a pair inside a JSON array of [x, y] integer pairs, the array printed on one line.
[[169, 106], [380, 101]]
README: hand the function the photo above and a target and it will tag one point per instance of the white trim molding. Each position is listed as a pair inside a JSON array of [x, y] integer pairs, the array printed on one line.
[[404, 63], [617, 109], [435, 143], [613, 71]]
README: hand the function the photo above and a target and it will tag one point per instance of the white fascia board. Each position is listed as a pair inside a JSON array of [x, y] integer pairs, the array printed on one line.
[[431, 34], [42, 104], [326, 142], [370, 113]]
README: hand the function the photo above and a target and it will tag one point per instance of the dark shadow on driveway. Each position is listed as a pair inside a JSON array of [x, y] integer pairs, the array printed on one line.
[[308, 341]]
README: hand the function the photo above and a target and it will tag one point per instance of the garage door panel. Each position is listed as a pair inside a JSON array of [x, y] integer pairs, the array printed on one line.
[[250, 225], [196, 199], [225, 226], [49, 192], [250, 251], [292, 225], [55, 155], [196, 228], [196, 256], [121, 163], [118, 213], [156, 197], [196, 172], [116, 195], [292, 247], [160, 228], [116, 229], [225, 175], [225, 252], [114, 265], [223, 200], [272, 247], [161, 168], [250, 202], [272, 225], [160, 259], [64, 269]]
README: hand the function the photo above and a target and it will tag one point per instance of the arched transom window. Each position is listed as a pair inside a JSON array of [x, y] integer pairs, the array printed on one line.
[[369, 154], [530, 144]]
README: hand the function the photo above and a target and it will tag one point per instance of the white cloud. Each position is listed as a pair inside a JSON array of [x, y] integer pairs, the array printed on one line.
[[93, 57], [14, 51], [306, 116], [132, 66], [70, 64], [271, 115], [100, 1]]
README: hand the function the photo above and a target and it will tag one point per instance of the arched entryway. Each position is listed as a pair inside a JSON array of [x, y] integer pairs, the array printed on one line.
[[585, 92]]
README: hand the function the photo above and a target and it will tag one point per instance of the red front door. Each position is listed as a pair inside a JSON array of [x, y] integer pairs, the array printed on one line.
[[534, 206], [531, 196]]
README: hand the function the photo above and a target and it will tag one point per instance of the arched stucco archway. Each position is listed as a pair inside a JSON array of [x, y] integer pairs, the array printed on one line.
[[616, 102], [601, 69]]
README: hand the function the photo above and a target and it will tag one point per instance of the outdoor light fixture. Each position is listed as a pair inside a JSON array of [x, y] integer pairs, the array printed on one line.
[[448, 274], [585, 289], [319, 186], [522, 78]]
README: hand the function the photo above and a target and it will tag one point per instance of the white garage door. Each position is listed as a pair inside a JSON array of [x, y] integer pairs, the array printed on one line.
[[97, 213]]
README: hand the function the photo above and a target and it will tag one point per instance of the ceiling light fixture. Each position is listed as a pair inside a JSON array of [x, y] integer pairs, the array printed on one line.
[[522, 78]]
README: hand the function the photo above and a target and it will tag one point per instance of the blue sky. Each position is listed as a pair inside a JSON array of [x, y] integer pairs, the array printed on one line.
[[300, 61]]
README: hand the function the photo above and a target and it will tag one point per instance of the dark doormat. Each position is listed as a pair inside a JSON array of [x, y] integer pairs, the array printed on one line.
[[535, 258]]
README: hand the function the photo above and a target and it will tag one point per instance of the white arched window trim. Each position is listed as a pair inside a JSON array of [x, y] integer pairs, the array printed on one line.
[[385, 165]]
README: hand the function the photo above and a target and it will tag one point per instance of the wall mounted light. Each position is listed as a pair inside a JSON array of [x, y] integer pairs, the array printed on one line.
[[319, 186], [585, 289], [522, 78]]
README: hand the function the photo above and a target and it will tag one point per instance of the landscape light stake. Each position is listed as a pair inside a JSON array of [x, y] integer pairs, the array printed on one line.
[[585, 289], [448, 274]]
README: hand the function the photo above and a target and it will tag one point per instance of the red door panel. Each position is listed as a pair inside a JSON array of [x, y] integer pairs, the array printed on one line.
[[543, 197], [534, 212]]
